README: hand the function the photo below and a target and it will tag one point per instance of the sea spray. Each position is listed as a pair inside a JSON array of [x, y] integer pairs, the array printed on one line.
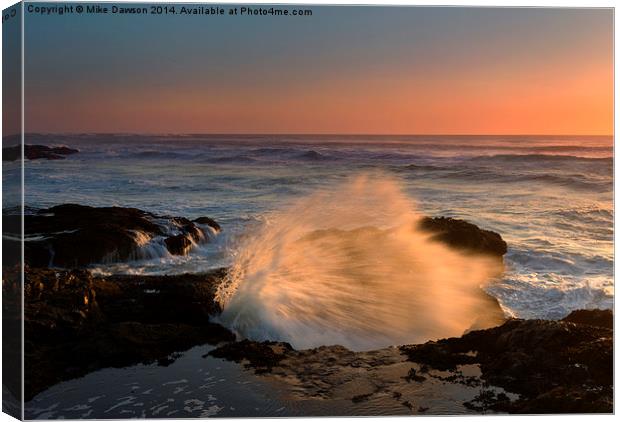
[[347, 265]]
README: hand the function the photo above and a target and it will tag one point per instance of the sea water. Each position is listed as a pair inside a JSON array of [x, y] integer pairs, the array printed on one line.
[[551, 198]]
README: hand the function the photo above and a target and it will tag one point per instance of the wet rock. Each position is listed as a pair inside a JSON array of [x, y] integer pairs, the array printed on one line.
[[526, 366], [187, 298], [262, 357], [208, 222], [462, 235], [35, 152], [487, 400], [75, 323], [72, 236], [361, 398], [179, 244], [534, 358], [412, 376], [12, 337], [326, 372], [59, 305], [596, 317]]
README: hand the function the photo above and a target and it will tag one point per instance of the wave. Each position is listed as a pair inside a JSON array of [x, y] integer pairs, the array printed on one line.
[[155, 154], [578, 181], [292, 153], [591, 214], [550, 296], [239, 158], [540, 158], [313, 156], [269, 156], [575, 181], [274, 150], [346, 265], [422, 167]]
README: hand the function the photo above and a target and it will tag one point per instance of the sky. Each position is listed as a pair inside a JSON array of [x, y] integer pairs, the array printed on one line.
[[355, 70]]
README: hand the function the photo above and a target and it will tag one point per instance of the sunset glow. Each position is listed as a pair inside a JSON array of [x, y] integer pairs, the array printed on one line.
[[412, 70]]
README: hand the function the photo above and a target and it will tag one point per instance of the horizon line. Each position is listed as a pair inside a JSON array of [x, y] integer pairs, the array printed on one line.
[[299, 134]]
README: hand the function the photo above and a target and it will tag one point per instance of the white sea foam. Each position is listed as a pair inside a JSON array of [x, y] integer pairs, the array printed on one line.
[[348, 266], [550, 198], [550, 295]]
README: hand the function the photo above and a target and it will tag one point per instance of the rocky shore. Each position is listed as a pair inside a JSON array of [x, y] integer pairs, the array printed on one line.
[[76, 322], [554, 366], [73, 236], [522, 366]]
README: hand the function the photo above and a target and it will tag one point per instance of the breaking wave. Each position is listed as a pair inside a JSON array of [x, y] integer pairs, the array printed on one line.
[[347, 265]]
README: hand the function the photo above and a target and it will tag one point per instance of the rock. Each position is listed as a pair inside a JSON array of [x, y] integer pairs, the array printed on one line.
[[596, 317], [462, 235], [34, 152], [178, 245], [75, 323], [73, 236], [208, 222], [555, 366], [11, 153], [262, 356], [59, 305], [361, 398], [187, 298], [12, 337]]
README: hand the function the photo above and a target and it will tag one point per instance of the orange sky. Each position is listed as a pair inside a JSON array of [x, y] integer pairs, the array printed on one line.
[[434, 71]]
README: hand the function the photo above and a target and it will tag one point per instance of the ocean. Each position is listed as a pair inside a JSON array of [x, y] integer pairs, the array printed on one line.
[[550, 197]]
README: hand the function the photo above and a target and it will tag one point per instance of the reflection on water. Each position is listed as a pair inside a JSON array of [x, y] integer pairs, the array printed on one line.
[[197, 386], [192, 386]]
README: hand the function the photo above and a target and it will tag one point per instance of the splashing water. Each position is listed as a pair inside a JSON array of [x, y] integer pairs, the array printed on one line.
[[347, 266]]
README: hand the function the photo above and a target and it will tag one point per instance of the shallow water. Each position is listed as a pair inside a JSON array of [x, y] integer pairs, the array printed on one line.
[[192, 386], [195, 386]]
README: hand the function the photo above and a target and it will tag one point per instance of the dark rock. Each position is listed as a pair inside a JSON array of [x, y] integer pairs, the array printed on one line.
[[554, 366], [361, 398], [462, 235], [150, 298], [209, 222], [59, 305], [261, 356], [596, 317], [75, 323], [11, 228], [412, 376], [72, 236], [562, 400], [178, 245], [34, 152], [534, 358], [487, 400], [12, 338]]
